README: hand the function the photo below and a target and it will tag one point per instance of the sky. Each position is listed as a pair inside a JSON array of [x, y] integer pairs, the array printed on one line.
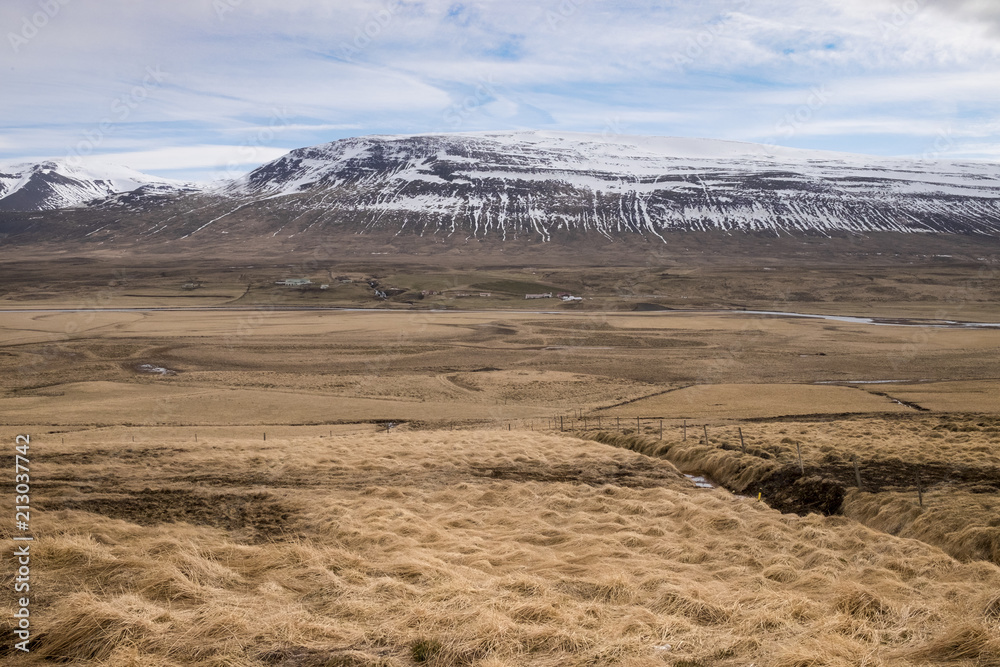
[[209, 89]]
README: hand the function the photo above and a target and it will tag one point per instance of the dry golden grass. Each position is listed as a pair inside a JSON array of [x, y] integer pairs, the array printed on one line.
[[956, 440], [972, 440], [476, 548], [742, 401], [208, 404], [203, 397], [334, 545], [642, 352], [966, 523], [955, 460], [981, 396]]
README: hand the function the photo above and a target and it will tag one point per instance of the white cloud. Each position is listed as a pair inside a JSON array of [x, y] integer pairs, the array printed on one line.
[[290, 127], [979, 87], [194, 157], [983, 151], [189, 158], [329, 68]]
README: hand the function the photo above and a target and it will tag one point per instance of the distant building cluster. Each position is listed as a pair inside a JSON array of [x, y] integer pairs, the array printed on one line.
[[294, 282], [565, 296]]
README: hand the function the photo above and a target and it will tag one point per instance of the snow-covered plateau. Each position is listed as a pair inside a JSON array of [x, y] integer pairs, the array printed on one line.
[[538, 185], [535, 182]]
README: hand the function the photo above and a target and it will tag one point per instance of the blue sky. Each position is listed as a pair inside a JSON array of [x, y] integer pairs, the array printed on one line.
[[204, 89]]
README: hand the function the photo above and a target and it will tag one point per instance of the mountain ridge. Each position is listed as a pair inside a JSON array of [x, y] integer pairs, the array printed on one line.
[[55, 184], [540, 181], [542, 186]]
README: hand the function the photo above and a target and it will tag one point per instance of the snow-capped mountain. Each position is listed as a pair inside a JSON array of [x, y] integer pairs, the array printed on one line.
[[51, 184], [541, 183], [527, 185]]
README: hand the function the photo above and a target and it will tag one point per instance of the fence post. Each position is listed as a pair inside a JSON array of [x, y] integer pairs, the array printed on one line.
[[743, 445], [705, 428], [638, 427], [685, 429], [661, 429], [802, 467], [560, 424], [920, 491], [857, 473]]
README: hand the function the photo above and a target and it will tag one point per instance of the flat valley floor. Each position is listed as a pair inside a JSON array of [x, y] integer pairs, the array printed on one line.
[[477, 485]]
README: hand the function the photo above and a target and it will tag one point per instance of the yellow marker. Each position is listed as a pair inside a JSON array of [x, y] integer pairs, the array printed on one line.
[[758, 495]]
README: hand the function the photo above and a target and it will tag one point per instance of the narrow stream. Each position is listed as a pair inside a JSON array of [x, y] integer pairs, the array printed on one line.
[[876, 321], [701, 481]]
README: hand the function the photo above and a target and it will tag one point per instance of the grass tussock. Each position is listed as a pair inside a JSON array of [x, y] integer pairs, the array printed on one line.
[[962, 643], [753, 472], [728, 467], [963, 523], [476, 548], [88, 627], [954, 458]]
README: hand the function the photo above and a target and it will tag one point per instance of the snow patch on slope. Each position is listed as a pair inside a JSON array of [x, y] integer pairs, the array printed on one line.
[[56, 184]]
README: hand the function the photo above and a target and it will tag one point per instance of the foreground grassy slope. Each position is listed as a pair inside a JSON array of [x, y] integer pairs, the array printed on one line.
[[934, 478], [469, 548]]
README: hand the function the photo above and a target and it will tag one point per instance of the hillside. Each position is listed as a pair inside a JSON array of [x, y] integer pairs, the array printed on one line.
[[464, 548], [539, 187], [54, 185]]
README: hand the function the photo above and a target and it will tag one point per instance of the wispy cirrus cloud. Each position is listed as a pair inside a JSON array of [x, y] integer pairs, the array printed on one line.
[[883, 76]]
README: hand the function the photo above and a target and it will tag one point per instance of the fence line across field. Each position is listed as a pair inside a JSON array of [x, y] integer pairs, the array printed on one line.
[[654, 426]]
